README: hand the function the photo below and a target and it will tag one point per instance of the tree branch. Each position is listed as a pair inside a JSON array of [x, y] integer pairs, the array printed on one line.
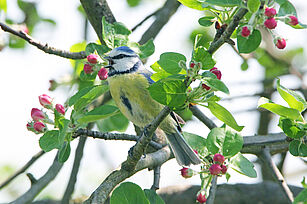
[[212, 191], [162, 17], [202, 117], [44, 47], [112, 136], [74, 172], [266, 157], [41, 183], [23, 169]]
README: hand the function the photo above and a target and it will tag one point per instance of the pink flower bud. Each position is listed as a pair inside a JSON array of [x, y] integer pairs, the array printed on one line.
[[245, 32], [280, 43], [201, 197], [292, 20], [219, 158], [215, 169], [194, 150], [92, 58], [37, 114], [186, 172], [45, 100], [39, 126], [206, 87], [217, 72], [192, 65], [270, 23], [224, 169], [270, 12], [103, 74], [30, 126], [53, 85], [60, 109], [87, 69]]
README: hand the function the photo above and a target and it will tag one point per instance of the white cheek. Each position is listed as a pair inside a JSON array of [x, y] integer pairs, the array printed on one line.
[[124, 64]]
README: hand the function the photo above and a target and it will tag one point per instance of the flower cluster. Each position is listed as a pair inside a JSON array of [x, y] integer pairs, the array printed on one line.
[[40, 118], [218, 166], [218, 75], [93, 66]]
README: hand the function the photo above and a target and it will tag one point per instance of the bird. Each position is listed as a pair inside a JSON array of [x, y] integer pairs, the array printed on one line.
[[128, 81]]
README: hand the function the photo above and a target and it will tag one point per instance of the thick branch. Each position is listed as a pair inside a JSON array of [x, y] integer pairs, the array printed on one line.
[[41, 183], [162, 17], [202, 117], [95, 10], [44, 47], [266, 157], [212, 191], [112, 136], [23, 169]]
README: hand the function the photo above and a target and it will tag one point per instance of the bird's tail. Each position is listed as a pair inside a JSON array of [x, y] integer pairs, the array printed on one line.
[[183, 152]]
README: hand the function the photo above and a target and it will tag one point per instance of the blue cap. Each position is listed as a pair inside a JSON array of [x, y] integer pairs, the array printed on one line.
[[125, 49]]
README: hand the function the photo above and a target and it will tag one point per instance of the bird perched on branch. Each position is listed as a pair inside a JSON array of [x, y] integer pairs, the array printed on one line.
[[128, 80]]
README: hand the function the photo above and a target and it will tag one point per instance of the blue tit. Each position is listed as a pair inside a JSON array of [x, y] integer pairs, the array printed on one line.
[[128, 80]]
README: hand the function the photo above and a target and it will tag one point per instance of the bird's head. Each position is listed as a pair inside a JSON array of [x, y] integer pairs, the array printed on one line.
[[122, 60]]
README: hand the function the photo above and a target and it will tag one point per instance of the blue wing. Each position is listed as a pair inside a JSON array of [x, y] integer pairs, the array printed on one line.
[[147, 75]]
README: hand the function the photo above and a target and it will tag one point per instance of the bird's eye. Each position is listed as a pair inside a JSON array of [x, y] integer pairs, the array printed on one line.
[[111, 62]]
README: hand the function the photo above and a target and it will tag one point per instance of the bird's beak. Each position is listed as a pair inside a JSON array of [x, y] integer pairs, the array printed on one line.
[[111, 62]]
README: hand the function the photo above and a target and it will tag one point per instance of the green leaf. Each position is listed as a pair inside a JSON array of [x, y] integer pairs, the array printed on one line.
[[286, 9], [292, 98], [201, 55], [153, 197], [253, 5], [196, 142], [90, 96], [224, 141], [301, 198], [63, 126], [169, 91], [128, 193], [297, 148], [50, 141], [78, 95], [194, 4], [100, 49], [225, 3], [3, 5], [77, 64], [303, 182], [206, 21], [250, 43], [299, 26], [169, 61], [224, 115], [244, 65], [116, 122], [217, 84], [133, 3], [108, 33], [121, 29], [146, 49], [99, 113], [290, 129], [243, 166], [280, 110], [64, 152], [281, 1]]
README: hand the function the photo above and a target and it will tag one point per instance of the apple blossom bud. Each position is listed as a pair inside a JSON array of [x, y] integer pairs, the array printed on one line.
[[92, 58], [87, 69], [280, 43], [270, 12], [194, 150], [52, 85], [30, 126], [224, 169], [219, 158], [245, 32], [215, 169], [192, 65], [217, 72], [45, 101], [187, 172], [270, 23], [60, 109], [201, 197], [206, 87], [292, 20], [103, 74], [37, 114], [39, 126]]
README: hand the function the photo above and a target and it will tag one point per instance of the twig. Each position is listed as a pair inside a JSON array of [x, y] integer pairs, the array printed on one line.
[[212, 190], [152, 160], [202, 117], [74, 172], [112, 136], [229, 30], [41, 183], [162, 17], [156, 181], [266, 156], [23, 169], [145, 19], [44, 47]]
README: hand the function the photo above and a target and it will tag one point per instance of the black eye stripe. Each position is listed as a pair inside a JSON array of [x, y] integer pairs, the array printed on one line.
[[121, 56]]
